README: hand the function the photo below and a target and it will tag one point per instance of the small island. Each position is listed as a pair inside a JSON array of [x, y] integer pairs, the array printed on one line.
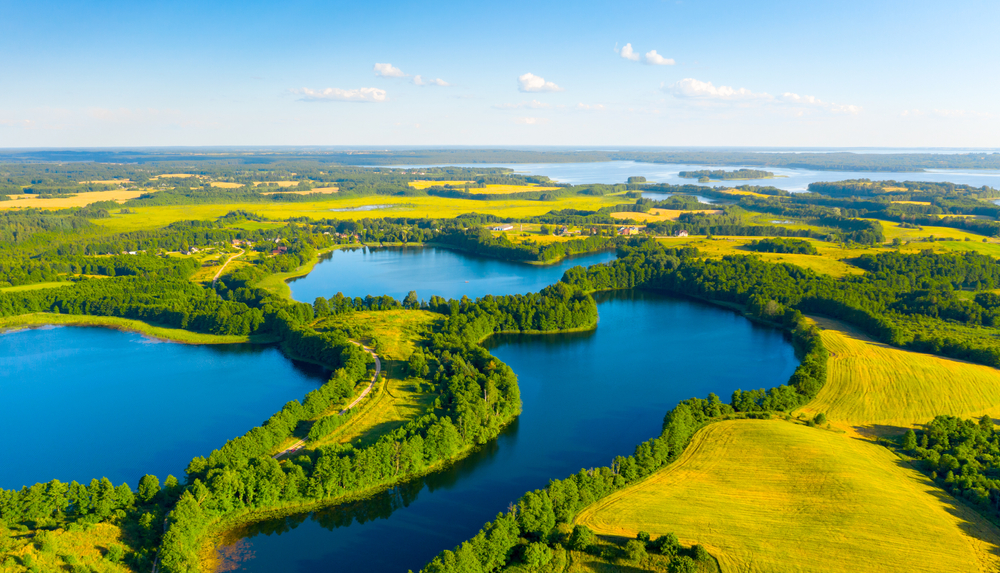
[[706, 175]]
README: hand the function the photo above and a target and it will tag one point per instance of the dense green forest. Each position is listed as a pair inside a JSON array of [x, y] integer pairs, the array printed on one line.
[[723, 175]]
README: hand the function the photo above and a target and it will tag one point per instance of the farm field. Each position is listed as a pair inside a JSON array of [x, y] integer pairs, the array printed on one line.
[[489, 189], [662, 214], [780, 497], [34, 286], [830, 260], [430, 207], [78, 200], [881, 388]]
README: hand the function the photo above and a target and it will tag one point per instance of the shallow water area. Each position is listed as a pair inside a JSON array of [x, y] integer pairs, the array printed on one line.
[[429, 271], [587, 397], [86, 402]]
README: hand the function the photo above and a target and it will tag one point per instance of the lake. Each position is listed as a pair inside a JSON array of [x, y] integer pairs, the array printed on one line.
[[588, 397], [790, 180], [430, 271], [87, 402]]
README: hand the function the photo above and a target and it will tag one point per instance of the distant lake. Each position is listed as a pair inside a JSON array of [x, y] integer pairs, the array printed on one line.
[[86, 402], [430, 271], [792, 180], [588, 397]]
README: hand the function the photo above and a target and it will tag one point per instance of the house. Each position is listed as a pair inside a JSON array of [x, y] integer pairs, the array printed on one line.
[[279, 251], [681, 233], [628, 231], [502, 228]]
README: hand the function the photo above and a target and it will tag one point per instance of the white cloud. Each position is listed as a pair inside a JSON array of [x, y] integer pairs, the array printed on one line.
[[531, 120], [337, 94], [532, 83], [654, 59], [435, 82], [692, 89], [533, 104], [388, 71], [590, 107], [627, 53], [695, 89], [796, 99]]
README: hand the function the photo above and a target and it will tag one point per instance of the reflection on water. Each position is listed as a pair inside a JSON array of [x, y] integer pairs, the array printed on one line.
[[588, 397]]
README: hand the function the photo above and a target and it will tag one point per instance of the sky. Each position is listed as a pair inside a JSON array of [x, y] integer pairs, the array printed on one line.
[[872, 73]]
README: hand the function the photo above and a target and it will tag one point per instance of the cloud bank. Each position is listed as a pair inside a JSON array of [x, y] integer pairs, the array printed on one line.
[[361, 95], [692, 89]]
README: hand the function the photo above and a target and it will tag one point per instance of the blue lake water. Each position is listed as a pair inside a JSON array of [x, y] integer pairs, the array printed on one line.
[[86, 402], [429, 271], [587, 398], [791, 180]]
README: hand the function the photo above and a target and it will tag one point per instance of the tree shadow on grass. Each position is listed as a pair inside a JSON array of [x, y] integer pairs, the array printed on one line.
[[978, 525]]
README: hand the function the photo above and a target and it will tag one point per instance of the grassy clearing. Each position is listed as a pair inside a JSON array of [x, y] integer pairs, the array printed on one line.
[[880, 387], [830, 261], [78, 200], [82, 549], [35, 286], [393, 404], [418, 207], [777, 497], [393, 332], [171, 334]]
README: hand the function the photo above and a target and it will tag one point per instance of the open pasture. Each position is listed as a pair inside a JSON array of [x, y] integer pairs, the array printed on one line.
[[779, 497], [831, 259], [394, 332], [82, 549], [874, 385]]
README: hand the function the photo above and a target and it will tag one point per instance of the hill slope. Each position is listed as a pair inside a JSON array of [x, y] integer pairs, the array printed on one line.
[[777, 497]]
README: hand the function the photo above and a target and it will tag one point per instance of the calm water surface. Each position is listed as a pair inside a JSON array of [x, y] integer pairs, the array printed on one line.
[[587, 398], [82, 403], [792, 180], [429, 271]]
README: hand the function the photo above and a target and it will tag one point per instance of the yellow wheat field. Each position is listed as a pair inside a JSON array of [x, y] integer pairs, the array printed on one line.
[[78, 200], [661, 214], [873, 384], [777, 497]]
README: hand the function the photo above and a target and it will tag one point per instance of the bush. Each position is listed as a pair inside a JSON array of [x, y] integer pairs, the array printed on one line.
[[820, 419], [635, 550], [537, 554], [581, 538], [683, 564]]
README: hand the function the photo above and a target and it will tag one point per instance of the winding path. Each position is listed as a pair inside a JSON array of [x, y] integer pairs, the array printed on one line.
[[378, 370], [215, 279]]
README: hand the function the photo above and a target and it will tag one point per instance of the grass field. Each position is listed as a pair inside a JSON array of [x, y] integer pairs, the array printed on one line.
[[398, 401], [778, 497], [432, 207], [396, 331], [35, 286], [82, 549], [880, 387], [78, 200], [172, 334], [830, 260]]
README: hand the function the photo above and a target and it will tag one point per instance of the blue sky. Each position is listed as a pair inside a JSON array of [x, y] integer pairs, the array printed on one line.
[[694, 73]]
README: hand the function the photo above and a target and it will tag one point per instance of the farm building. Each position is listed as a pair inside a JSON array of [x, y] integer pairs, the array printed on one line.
[[502, 228], [681, 233]]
